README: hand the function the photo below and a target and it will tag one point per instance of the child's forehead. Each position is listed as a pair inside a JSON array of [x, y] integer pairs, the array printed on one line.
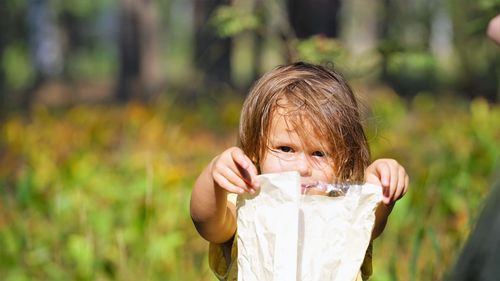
[[290, 110], [297, 123]]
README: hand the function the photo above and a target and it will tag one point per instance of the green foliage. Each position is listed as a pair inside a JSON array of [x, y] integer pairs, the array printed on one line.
[[411, 65], [489, 4], [320, 49], [99, 193], [17, 67], [102, 193], [450, 149], [92, 64], [331, 52], [412, 72], [81, 9], [229, 21]]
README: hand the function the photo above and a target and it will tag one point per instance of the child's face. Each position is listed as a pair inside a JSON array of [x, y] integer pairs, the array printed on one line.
[[287, 151]]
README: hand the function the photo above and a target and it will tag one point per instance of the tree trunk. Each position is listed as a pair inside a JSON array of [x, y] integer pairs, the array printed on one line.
[[384, 37], [311, 17], [129, 46], [45, 46], [139, 75], [3, 44], [151, 73], [359, 26], [212, 54]]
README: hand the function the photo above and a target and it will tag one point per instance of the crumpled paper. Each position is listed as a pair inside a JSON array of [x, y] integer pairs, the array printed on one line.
[[285, 235]]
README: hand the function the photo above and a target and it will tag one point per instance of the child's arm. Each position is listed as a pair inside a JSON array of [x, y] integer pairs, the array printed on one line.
[[231, 171], [394, 180]]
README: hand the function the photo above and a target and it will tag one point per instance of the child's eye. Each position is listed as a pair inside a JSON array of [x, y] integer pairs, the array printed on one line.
[[285, 149], [318, 154]]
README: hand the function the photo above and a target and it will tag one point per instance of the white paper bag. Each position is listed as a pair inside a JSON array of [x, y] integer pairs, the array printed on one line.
[[284, 235]]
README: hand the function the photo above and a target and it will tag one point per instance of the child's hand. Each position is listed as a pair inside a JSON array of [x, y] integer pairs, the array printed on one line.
[[389, 174], [233, 171]]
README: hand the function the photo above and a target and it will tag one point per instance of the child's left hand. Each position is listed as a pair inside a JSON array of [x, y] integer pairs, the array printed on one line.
[[389, 174]]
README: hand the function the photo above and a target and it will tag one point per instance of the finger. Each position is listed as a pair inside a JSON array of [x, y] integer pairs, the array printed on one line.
[[251, 181], [235, 177], [252, 172], [399, 192], [245, 175], [393, 181], [245, 167], [252, 169], [242, 164], [224, 183], [244, 178], [383, 171], [377, 172], [372, 177], [240, 158], [407, 183]]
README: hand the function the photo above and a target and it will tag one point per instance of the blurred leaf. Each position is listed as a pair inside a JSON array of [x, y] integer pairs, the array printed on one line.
[[229, 21], [92, 64], [81, 252], [17, 275], [82, 9], [165, 248], [17, 67], [417, 243], [320, 49], [412, 65]]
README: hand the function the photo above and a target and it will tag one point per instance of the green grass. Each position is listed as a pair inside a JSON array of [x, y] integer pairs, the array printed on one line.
[[102, 193]]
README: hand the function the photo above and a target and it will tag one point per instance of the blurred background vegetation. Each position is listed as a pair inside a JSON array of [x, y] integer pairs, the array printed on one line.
[[110, 109]]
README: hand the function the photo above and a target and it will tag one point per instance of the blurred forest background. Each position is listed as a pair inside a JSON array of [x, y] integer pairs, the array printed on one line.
[[110, 109]]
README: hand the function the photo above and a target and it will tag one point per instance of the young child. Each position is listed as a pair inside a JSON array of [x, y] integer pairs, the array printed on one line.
[[300, 117]]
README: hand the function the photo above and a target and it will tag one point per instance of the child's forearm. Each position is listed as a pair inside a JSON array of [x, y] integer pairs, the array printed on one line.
[[381, 216], [213, 217]]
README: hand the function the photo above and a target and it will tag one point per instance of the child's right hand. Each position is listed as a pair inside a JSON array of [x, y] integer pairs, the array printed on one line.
[[234, 172]]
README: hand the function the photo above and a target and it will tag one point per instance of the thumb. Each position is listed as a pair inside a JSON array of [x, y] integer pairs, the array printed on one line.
[[373, 179], [382, 172], [247, 169]]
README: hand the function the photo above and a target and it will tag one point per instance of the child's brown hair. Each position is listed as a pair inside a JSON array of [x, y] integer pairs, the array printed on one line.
[[321, 97]]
